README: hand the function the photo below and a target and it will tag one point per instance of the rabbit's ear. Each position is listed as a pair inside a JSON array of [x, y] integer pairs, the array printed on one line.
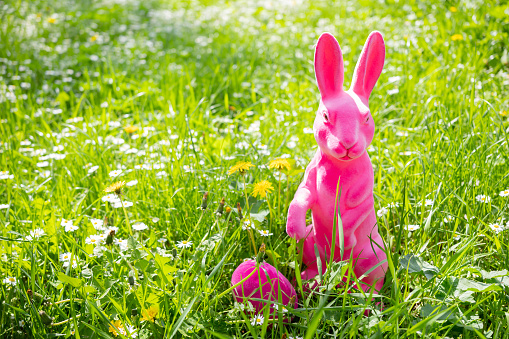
[[370, 65], [328, 66]]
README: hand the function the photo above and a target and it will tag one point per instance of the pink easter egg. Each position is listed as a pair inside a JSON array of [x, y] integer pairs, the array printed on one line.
[[265, 283]]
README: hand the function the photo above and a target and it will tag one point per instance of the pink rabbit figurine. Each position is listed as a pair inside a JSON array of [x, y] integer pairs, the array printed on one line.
[[343, 129]]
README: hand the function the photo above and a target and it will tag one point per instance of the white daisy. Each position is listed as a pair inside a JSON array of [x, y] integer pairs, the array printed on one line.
[[42, 164], [65, 222], [428, 202], [37, 233], [70, 228], [504, 193], [139, 226], [111, 198], [257, 320], [283, 308], [92, 240], [132, 183], [122, 243], [448, 219], [115, 173], [247, 224], [10, 281], [5, 175], [496, 227], [264, 233], [483, 198], [65, 256], [119, 204], [382, 211], [93, 169], [97, 223], [184, 244], [412, 228]]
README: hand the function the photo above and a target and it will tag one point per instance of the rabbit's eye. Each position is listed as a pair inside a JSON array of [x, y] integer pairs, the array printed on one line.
[[366, 120], [325, 116]]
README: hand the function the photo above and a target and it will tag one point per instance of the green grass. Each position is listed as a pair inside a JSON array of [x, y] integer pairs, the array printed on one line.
[[210, 83]]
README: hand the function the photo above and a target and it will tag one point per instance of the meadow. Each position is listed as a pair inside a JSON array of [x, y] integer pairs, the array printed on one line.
[[166, 97]]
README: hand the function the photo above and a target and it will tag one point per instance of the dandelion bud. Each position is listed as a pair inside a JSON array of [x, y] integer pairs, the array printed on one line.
[[131, 280], [228, 211], [220, 208], [45, 318], [261, 254], [292, 300], [204, 201], [239, 209], [284, 336], [109, 238], [35, 296]]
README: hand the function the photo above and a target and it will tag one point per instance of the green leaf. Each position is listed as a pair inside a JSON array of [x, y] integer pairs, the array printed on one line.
[[476, 286], [131, 243], [441, 311], [74, 282], [493, 274], [62, 97], [415, 264], [260, 216], [90, 289], [163, 264]]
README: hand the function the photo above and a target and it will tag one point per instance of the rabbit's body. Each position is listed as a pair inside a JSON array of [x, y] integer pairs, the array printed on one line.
[[343, 129]]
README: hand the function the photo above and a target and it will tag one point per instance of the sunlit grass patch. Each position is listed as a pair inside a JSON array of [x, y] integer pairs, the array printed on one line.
[[147, 148]]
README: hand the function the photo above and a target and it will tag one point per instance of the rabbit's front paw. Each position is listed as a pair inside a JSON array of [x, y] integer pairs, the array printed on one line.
[[296, 227]]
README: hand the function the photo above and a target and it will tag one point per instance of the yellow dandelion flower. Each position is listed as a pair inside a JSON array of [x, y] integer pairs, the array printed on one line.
[[457, 37], [503, 113], [241, 167], [115, 187], [150, 313], [130, 129], [280, 164], [453, 9], [117, 324], [52, 20], [261, 189]]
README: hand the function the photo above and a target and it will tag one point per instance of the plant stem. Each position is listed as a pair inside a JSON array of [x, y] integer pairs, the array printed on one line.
[[66, 300], [247, 200], [279, 195], [126, 216], [247, 216], [65, 321], [271, 217]]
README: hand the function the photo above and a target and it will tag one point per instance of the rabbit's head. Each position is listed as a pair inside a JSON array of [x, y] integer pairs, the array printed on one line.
[[343, 126]]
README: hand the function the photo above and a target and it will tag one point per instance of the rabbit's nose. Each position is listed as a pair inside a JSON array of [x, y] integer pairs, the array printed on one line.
[[347, 143]]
